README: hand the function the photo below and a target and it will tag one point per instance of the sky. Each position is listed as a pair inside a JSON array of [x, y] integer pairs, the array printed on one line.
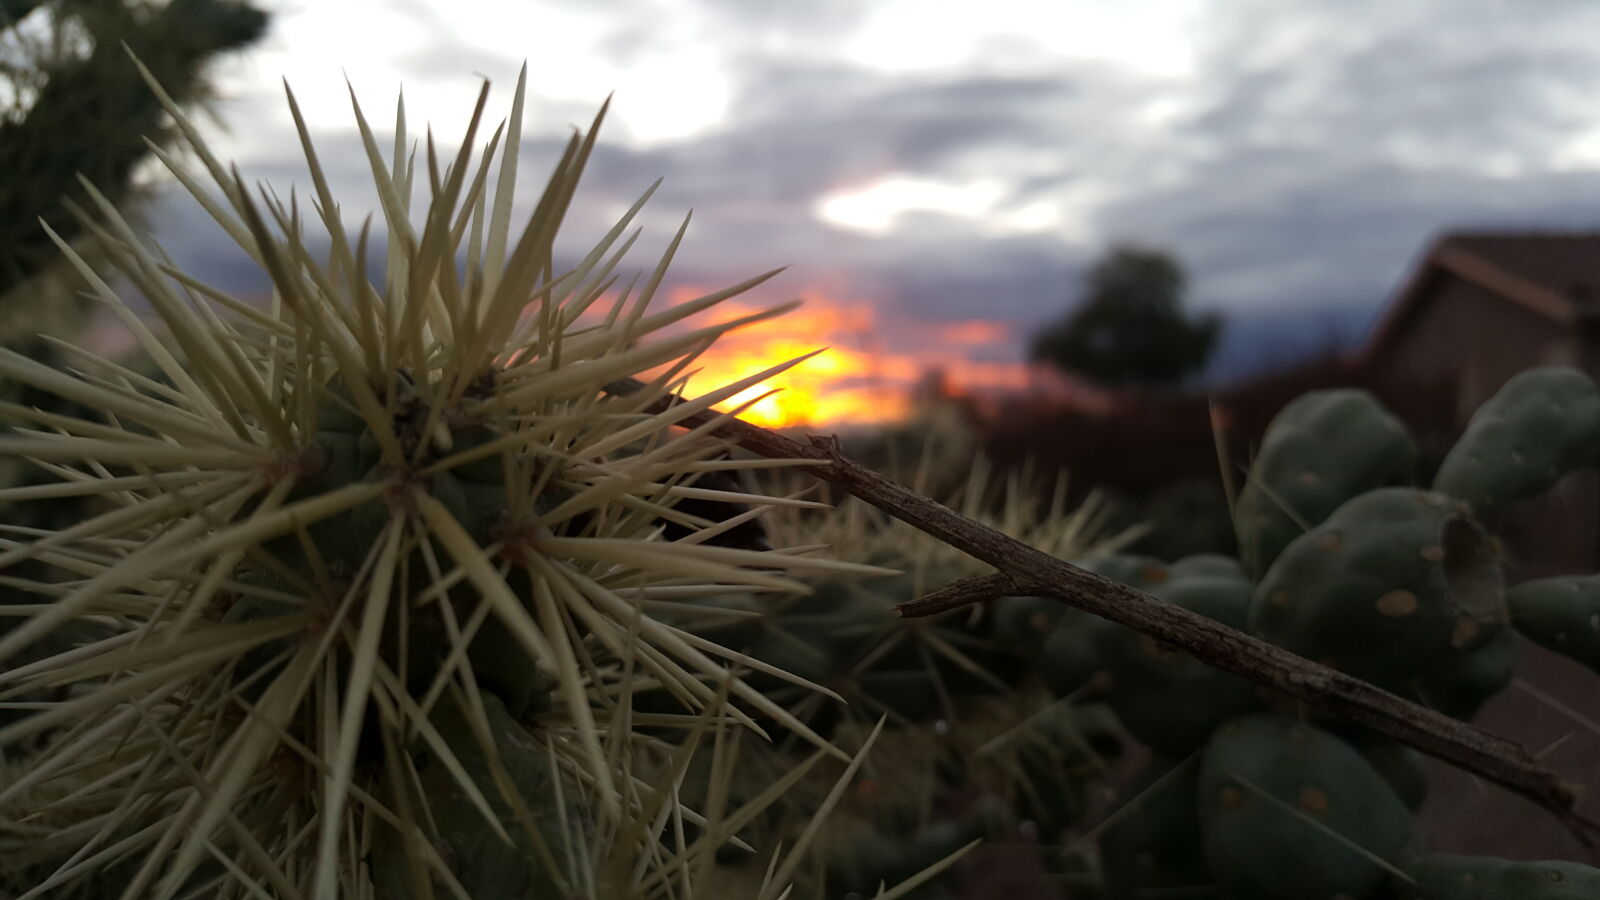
[[938, 175]]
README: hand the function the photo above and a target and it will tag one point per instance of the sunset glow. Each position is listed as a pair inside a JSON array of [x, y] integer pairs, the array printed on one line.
[[854, 380]]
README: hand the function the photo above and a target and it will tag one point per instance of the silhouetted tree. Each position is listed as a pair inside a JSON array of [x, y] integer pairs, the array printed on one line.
[[1130, 327], [72, 103]]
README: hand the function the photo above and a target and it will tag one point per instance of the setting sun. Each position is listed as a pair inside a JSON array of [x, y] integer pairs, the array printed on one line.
[[852, 380]]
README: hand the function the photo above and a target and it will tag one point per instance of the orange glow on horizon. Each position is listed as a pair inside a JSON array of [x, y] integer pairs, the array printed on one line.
[[850, 381]]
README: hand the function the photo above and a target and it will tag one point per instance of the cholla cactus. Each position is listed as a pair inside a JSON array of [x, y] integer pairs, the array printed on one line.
[[1249, 795], [378, 565], [963, 752], [846, 634]]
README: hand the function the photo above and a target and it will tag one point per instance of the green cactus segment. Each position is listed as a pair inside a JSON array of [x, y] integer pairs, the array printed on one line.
[[1061, 747], [1201, 565], [1541, 425], [1166, 698], [345, 449], [831, 637], [1562, 614], [1023, 625], [1442, 876], [1465, 680], [1397, 582], [1400, 766], [1142, 573], [1151, 847], [1070, 657], [487, 865], [846, 636], [1320, 450], [879, 858], [1289, 810]]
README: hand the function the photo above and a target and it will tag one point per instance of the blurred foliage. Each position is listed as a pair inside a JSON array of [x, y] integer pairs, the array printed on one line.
[[1130, 328], [72, 104]]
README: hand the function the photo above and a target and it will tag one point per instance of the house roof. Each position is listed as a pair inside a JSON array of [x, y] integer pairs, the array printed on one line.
[[1555, 274]]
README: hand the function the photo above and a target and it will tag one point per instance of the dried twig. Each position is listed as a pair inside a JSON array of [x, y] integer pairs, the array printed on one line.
[[1028, 571]]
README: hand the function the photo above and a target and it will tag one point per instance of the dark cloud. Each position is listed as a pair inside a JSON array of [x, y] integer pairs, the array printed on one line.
[[798, 130], [1330, 149]]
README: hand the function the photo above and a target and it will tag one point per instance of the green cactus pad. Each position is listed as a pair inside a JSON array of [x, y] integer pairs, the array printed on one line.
[[1400, 766], [1390, 586], [1562, 614], [1152, 846], [1322, 449], [1142, 573], [878, 858], [1289, 810], [1166, 698], [1541, 425], [1461, 684], [1023, 625], [1057, 750], [1442, 876], [1069, 657]]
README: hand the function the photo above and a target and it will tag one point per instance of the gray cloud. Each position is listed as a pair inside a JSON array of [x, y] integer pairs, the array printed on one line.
[[1313, 150]]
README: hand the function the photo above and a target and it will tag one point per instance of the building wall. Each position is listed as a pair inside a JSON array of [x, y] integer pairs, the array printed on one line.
[[1475, 337], [1464, 336]]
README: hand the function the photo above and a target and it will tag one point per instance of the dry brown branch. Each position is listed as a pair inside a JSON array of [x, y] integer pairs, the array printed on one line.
[[1025, 570]]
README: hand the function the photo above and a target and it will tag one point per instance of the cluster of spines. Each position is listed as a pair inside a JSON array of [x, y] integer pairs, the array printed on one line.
[[331, 522]]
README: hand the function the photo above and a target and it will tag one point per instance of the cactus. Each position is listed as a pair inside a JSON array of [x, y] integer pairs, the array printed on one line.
[[1540, 425], [1044, 769], [1070, 656], [1398, 586], [1151, 847], [352, 544], [1443, 876], [1022, 625], [956, 728], [483, 862], [1289, 810], [1165, 698], [1467, 678], [1560, 613], [75, 109], [1399, 765], [847, 636], [1322, 449], [394, 593], [874, 859], [1395, 583]]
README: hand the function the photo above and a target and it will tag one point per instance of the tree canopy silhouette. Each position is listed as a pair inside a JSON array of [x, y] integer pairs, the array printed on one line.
[[1130, 328], [73, 106]]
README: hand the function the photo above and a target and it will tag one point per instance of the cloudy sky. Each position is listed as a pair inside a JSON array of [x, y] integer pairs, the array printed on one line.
[[937, 174]]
